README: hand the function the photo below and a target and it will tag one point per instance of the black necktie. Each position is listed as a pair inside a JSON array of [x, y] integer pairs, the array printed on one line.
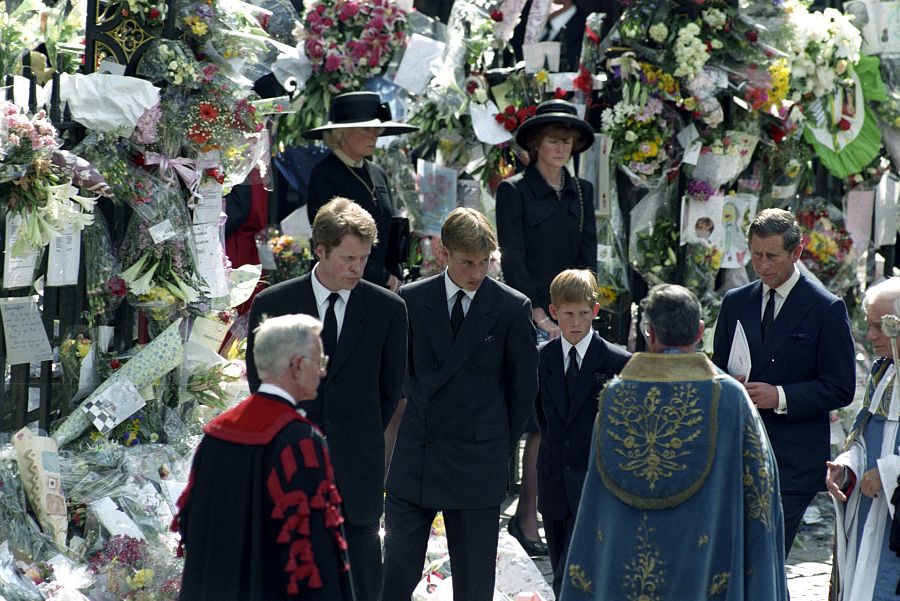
[[769, 314], [457, 315], [329, 328], [572, 372]]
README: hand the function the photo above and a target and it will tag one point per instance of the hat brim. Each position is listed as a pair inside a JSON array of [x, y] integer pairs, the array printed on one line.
[[584, 129], [391, 128]]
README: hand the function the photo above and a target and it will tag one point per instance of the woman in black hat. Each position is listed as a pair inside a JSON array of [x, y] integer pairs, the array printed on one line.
[[355, 121], [545, 223]]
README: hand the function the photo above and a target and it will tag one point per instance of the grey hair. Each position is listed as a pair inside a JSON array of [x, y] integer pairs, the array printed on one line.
[[334, 138], [277, 338], [776, 222], [889, 288], [674, 312]]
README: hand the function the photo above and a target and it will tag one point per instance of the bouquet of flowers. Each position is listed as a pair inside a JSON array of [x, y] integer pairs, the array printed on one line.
[[104, 285], [655, 257], [824, 45], [72, 353], [701, 265], [347, 42], [292, 259], [170, 62], [149, 13], [642, 139], [826, 244], [724, 156]]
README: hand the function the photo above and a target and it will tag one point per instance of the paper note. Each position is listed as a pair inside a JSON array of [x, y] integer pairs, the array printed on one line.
[[18, 271], [692, 154], [436, 186], [208, 207], [886, 197], [114, 405], [859, 208], [116, 521], [210, 262], [208, 333], [542, 55], [161, 231], [739, 357], [485, 125], [23, 331], [414, 71], [687, 136], [65, 254], [297, 225]]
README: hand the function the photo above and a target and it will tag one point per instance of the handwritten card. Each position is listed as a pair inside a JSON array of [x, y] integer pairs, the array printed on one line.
[[65, 253], [208, 207], [210, 262], [161, 231], [18, 271], [23, 331], [208, 333], [414, 71]]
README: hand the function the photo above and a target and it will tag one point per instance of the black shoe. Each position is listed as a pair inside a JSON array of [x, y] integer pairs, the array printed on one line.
[[532, 547]]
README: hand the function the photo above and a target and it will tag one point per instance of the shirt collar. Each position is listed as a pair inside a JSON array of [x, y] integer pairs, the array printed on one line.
[[786, 287], [276, 390], [321, 292], [581, 346], [347, 160], [451, 288]]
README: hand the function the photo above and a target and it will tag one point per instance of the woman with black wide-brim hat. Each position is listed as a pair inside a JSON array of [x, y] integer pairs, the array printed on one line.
[[355, 121], [545, 224]]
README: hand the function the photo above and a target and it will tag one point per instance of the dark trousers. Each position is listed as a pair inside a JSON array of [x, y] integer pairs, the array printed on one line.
[[364, 549], [559, 535], [471, 540], [794, 505]]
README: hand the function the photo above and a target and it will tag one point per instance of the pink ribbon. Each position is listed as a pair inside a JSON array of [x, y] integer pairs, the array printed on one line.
[[183, 167]]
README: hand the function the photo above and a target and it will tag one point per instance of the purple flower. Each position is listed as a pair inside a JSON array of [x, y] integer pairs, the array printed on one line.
[[700, 190]]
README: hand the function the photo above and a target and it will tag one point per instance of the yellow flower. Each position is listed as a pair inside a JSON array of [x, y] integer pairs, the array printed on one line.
[[542, 77], [141, 579], [232, 152], [606, 296]]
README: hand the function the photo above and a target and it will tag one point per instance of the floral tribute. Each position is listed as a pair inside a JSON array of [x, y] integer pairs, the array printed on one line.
[[826, 244]]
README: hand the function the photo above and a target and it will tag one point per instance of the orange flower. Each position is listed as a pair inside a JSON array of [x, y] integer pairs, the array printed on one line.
[[207, 111]]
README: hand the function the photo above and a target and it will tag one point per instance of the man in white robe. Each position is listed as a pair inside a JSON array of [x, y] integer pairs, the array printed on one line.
[[862, 479]]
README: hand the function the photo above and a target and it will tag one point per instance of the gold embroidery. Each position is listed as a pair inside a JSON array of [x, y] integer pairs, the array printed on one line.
[[758, 480], [644, 574], [600, 535], [579, 579], [653, 446], [719, 584], [704, 538]]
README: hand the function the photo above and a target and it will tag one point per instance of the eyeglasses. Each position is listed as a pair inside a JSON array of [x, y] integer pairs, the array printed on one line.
[[323, 361]]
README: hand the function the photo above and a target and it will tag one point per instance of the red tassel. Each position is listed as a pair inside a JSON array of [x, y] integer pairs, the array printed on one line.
[[308, 451], [288, 463], [315, 581], [283, 538], [292, 588]]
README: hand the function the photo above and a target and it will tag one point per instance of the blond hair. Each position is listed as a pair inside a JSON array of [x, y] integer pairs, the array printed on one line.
[[573, 286], [333, 138], [339, 217], [468, 230]]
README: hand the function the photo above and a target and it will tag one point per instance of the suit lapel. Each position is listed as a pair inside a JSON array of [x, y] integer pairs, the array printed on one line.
[[556, 378], [792, 311], [750, 318], [585, 377], [437, 319], [352, 329], [306, 299], [472, 333]]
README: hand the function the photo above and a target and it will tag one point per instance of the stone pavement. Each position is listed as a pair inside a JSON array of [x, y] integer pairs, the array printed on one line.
[[808, 564]]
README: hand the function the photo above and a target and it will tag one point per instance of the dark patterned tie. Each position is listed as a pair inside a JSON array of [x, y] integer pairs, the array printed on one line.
[[572, 373], [768, 315], [457, 315], [329, 328]]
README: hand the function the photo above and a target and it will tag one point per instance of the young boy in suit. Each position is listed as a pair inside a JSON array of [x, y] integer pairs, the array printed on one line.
[[572, 370]]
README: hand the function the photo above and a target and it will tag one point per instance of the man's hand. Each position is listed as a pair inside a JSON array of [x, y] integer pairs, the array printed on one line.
[[870, 483], [834, 477], [764, 396]]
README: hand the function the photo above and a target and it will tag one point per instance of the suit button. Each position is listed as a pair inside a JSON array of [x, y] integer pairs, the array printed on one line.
[[568, 468], [431, 438]]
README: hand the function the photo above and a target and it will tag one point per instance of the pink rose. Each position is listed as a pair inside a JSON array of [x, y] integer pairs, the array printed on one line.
[[349, 11], [314, 49], [332, 63]]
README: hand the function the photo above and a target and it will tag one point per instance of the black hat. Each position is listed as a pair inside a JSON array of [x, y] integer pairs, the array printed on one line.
[[359, 109], [562, 113]]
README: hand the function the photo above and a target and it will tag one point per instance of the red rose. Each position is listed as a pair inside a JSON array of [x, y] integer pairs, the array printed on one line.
[[499, 118], [532, 110], [471, 87], [497, 15], [559, 94], [844, 125], [117, 286], [521, 114], [752, 35], [510, 123], [114, 364], [153, 13], [510, 110]]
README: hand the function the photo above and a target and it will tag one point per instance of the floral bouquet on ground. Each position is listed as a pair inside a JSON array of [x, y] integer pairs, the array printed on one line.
[[130, 568], [72, 352], [826, 244]]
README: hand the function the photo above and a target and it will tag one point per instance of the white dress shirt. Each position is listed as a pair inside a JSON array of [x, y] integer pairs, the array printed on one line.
[[581, 348], [452, 289], [322, 293], [781, 294], [278, 391]]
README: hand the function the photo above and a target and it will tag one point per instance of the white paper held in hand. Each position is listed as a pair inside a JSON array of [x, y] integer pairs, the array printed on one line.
[[739, 357]]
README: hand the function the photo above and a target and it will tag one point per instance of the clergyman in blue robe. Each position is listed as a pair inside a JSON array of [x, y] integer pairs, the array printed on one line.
[[682, 498]]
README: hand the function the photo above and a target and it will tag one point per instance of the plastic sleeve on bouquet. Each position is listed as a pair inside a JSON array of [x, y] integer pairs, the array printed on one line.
[[158, 358], [38, 458], [590, 48]]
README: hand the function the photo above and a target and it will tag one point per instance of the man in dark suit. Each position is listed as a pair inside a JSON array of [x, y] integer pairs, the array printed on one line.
[[573, 369], [802, 358], [473, 379], [364, 334]]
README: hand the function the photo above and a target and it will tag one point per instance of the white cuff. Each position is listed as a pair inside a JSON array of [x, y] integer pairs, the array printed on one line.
[[782, 401]]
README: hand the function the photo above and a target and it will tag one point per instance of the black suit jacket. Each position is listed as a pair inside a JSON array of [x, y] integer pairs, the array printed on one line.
[[358, 396], [330, 178], [567, 427], [809, 352], [468, 398], [538, 232]]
